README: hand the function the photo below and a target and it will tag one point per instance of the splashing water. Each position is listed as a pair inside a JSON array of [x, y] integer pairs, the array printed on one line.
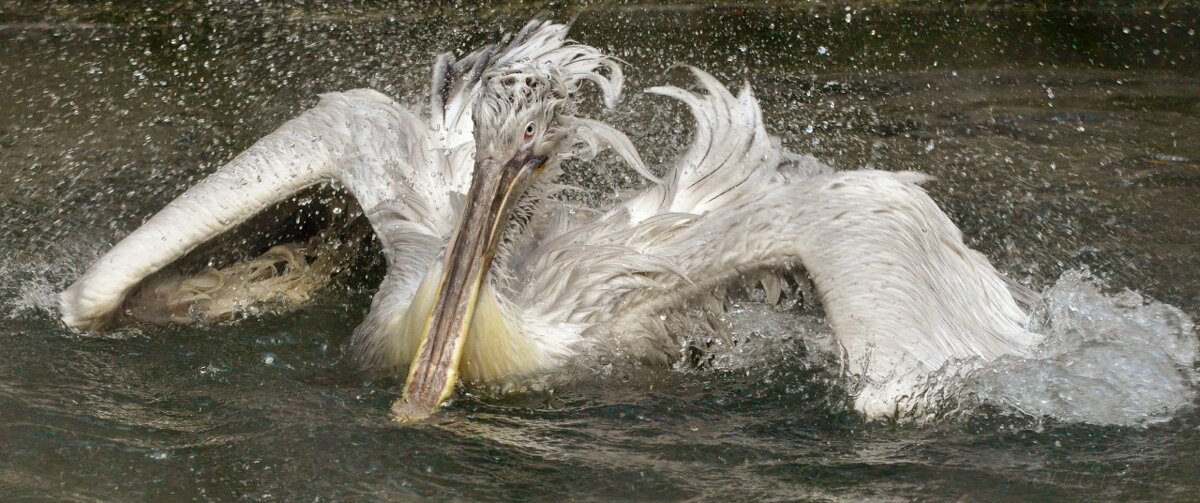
[[1107, 359], [31, 285]]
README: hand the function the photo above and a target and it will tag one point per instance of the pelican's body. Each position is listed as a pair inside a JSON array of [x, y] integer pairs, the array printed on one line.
[[902, 292]]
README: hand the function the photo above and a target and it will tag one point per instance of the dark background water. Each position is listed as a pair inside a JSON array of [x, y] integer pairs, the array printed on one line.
[[1062, 136]]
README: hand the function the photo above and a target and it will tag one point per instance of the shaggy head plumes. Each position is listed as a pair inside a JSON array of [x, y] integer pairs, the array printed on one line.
[[492, 96], [520, 104]]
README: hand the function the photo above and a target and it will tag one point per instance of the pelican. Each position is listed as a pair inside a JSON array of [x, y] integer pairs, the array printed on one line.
[[490, 277]]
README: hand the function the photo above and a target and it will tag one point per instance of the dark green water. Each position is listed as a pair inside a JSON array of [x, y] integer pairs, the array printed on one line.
[[1061, 139]]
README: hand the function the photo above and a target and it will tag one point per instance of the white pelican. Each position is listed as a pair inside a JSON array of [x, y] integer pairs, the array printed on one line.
[[490, 278]]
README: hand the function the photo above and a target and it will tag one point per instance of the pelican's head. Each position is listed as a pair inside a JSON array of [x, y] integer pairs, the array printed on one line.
[[521, 124], [520, 116]]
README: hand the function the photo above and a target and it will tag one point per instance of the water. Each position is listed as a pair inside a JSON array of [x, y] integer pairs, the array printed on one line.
[[1062, 140]]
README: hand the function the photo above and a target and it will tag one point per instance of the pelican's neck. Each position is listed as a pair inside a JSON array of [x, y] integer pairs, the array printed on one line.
[[504, 341]]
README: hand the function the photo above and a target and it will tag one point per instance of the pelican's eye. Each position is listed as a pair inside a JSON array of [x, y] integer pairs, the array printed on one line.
[[528, 132]]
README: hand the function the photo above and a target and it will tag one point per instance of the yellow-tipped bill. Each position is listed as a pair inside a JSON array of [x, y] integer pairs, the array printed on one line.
[[495, 189]]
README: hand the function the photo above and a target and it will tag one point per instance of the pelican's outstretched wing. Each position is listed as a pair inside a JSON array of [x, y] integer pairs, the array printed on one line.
[[359, 138], [903, 292]]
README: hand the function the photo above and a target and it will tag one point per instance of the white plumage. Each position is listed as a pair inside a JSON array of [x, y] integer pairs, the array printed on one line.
[[904, 294]]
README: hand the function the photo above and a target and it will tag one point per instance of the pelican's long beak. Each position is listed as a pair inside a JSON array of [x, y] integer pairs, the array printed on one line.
[[495, 189]]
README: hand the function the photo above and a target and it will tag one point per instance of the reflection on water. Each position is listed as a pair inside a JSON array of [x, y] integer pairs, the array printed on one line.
[[1061, 140]]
